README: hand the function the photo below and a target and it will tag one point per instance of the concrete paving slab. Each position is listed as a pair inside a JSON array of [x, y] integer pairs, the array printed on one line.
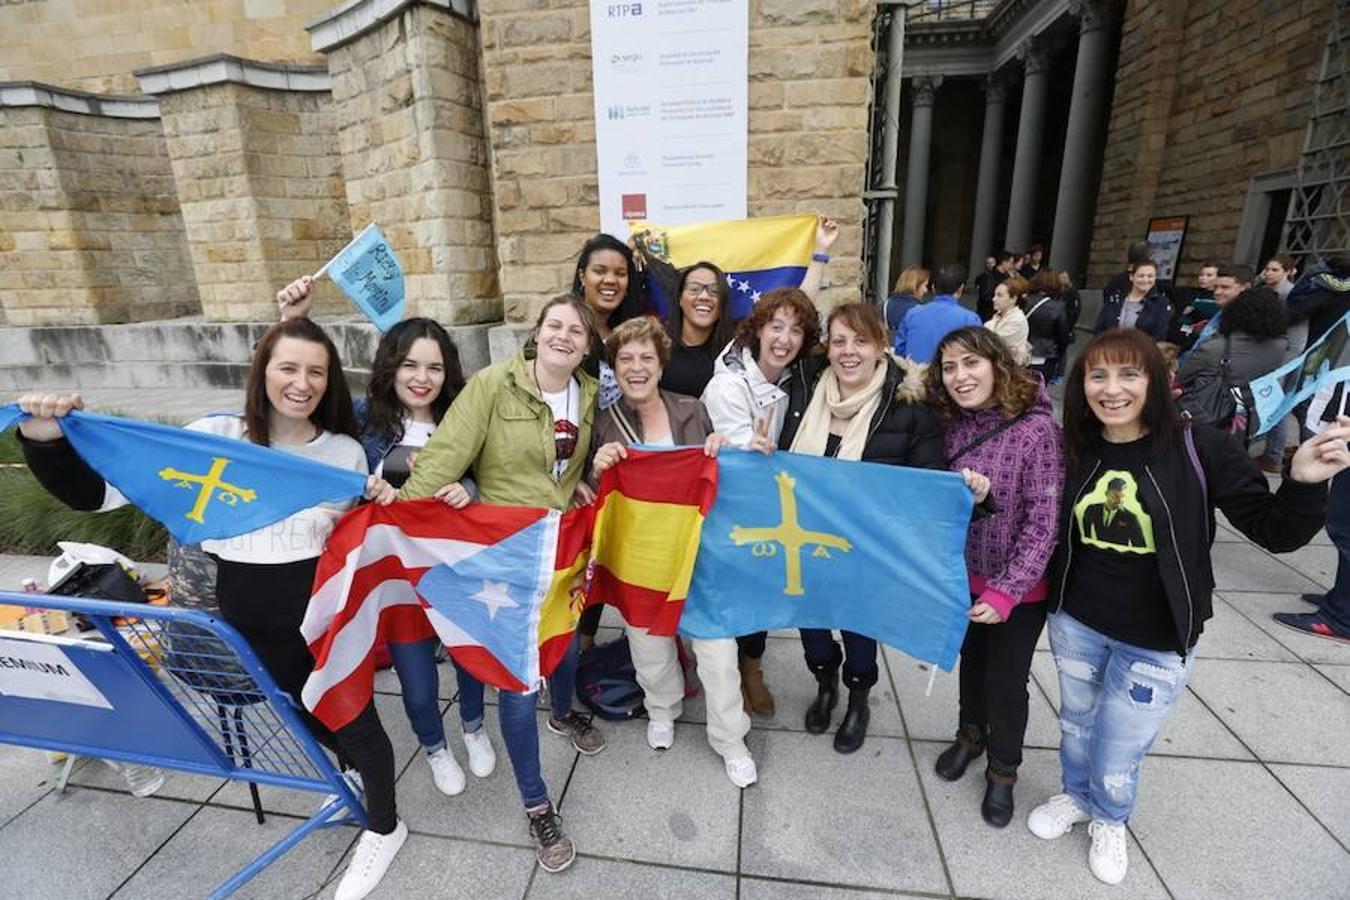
[[84, 843], [848, 820], [763, 889], [1338, 674], [591, 879], [196, 859], [1247, 568], [691, 816], [1285, 713], [1258, 607], [177, 785], [1315, 561], [1325, 791], [934, 718], [1013, 863], [453, 870], [1231, 635], [25, 777], [490, 808], [1190, 729], [794, 689], [1269, 847]]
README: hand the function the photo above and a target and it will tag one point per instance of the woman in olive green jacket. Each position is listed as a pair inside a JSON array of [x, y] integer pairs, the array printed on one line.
[[523, 427]]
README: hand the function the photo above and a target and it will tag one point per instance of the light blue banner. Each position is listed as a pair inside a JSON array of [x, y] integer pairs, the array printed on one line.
[[799, 541], [369, 273], [1326, 362]]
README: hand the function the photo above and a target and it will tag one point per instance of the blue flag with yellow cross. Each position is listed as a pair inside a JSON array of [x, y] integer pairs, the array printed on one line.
[[200, 486], [798, 541]]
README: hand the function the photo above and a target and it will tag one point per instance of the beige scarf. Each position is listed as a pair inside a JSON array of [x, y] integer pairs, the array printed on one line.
[[827, 404]]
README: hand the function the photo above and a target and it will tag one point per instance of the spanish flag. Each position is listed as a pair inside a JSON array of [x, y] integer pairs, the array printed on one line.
[[647, 529], [758, 255]]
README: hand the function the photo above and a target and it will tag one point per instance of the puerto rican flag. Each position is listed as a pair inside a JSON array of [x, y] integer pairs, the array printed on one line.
[[499, 585]]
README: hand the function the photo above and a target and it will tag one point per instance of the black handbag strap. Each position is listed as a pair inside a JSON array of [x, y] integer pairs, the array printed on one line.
[[991, 433]]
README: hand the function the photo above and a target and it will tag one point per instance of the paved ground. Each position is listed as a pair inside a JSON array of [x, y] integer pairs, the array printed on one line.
[[1247, 794]]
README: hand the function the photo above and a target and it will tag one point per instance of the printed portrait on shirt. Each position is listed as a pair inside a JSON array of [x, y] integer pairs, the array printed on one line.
[[1110, 516]]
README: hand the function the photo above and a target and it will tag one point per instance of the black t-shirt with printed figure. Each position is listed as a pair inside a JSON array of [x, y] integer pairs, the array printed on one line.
[[1114, 585]]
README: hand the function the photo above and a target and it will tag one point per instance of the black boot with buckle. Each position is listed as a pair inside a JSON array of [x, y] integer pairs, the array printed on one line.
[[968, 747], [827, 698], [997, 807]]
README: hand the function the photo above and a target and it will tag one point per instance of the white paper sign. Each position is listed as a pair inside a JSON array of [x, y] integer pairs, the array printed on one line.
[[671, 86], [41, 670]]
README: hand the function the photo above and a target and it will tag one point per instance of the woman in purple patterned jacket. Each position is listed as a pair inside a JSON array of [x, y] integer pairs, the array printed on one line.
[[1000, 424]]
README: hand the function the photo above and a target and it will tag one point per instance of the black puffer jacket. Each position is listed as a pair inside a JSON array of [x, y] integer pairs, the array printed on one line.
[[1183, 518], [1048, 326], [904, 430]]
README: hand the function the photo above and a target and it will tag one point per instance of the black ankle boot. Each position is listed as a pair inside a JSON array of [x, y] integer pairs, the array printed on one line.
[[853, 729], [997, 807], [967, 748], [827, 698]]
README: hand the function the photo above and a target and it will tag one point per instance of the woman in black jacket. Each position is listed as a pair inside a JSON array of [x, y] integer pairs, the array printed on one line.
[[1131, 583], [1142, 306], [861, 406], [1048, 325]]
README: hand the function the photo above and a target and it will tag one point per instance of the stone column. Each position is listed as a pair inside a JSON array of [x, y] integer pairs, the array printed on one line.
[[1082, 141], [1027, 162], [986, 188], [916, 178]]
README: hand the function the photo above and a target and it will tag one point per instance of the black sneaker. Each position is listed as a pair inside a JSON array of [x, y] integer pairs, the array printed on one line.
[[552, 848]]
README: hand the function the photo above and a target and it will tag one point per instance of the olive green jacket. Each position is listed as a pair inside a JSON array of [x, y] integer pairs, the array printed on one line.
[[500, 428]]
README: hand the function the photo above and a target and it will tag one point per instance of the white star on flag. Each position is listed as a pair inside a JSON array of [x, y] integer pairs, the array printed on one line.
[[744, 288], [494, 596], [755, 296]]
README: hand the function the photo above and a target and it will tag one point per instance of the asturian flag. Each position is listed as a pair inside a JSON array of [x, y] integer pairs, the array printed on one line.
[[758, 255], [499, 585], [200, 486]]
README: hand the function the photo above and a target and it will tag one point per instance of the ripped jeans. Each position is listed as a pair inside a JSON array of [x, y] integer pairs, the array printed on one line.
[[1114, 698]]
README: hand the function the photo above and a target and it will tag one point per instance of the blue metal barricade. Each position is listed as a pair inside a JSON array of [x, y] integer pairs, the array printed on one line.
[[167, 687]]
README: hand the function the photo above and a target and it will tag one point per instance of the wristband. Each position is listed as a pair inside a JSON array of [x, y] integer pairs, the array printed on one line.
[[820, 257]]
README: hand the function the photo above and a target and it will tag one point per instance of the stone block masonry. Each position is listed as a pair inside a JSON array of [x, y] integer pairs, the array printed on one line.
[[90, 226]]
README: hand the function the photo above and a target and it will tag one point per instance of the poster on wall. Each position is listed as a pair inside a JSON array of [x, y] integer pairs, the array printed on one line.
[[671, 85], [1165, 237]]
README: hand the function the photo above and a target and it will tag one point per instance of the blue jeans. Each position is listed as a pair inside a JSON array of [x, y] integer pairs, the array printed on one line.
[[1114, 698], [520, 728], [415, 664], [1336, 604]]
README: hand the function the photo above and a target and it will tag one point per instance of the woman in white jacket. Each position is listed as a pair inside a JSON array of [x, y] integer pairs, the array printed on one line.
[[1009, 322]]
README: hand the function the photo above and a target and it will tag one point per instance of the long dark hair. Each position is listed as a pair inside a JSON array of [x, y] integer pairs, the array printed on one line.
[[1015, 390], [334, 412], [724, 329], [1122, 346], [1257, 311], [634, 302], [384, 412]]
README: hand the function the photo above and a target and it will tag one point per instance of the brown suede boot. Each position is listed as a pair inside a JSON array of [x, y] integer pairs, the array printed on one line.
[[758, 699]]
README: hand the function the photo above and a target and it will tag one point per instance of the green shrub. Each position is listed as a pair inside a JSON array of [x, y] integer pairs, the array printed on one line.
[[32, 521]]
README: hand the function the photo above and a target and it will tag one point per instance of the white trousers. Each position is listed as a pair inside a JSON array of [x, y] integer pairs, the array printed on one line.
[[718, 662]]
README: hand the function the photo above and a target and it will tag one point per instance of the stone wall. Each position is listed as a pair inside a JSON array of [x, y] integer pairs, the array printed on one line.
[[95, 45], [1208, 95], [810, 80], [408, 103], [263, 199], [90, 229]]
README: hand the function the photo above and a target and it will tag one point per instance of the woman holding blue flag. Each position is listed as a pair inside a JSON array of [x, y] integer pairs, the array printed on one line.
[[523, 427], [296, 401], [999, 422], [859, 404], [414, 377], [1131, 585]]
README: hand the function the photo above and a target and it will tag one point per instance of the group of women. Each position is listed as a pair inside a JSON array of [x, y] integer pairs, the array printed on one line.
[[1103, 528]]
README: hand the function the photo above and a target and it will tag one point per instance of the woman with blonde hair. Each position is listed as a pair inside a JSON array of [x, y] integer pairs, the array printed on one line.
[[910, 289]]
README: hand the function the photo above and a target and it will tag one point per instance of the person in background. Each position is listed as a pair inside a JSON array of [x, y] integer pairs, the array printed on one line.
[[1139, 307], [1230, 281], [1048, 329], [1032, 264], [1008, 321], [1194, 306], [984, 291], [910, 289], [1278, 275], [1250, 342], [1119, 283], [926, 325], [1124, 619], [699, 326], [999, 422], [1005, 262]]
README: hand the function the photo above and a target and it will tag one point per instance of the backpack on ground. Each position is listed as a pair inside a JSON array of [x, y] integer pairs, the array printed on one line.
[[607, 682]]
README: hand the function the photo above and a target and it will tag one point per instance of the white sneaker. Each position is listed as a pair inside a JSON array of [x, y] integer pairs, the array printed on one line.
[[374, 853], [354, 779], [482, 758], [447, 774], [742, 772], [1056, 817], [1107, 857], [660, 735]]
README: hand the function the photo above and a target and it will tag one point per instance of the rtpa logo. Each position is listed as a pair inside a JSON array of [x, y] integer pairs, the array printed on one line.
[[624, 10]]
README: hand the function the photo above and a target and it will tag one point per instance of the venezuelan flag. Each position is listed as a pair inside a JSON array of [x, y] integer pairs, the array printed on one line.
[[758, 255], [647, 531]]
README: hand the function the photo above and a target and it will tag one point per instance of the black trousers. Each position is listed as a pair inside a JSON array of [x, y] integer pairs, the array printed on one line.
[[858, 656], [995, 666], [266, 603], [589, 623], [752, 646]]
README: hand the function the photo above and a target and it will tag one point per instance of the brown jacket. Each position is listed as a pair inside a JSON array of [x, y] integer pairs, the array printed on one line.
[[689, 424]]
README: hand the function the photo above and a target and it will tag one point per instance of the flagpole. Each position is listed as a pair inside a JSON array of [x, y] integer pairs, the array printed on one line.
[[323, 271]]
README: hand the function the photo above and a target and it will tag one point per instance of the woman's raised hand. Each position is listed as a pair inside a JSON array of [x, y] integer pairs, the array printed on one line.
[[295, 298], [714, 443], [1322, 455], [455, 495], [380, 491], [608, 456], [827, 232], [761, 440], [978, 484], [45, 409]]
